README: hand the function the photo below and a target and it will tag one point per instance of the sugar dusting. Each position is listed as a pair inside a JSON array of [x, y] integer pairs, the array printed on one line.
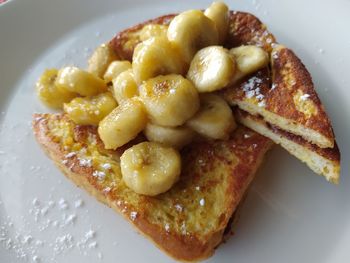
[[54, 215], [252, 88]]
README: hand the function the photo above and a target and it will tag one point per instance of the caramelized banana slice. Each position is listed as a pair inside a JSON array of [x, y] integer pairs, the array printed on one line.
[[153, 30], [214, 118], [48, 92], [79, 81], [212, 68], [153, 57], [191, 31], [176, 137], [123, 124], [169, 100], [150, 168], [124, 86], [249, 59], [115, 68], [100, 59], [90, 110], [218, 12]]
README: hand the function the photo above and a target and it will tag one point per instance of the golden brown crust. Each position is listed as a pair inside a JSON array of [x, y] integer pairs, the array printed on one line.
[[260, 79], [125, 51], [247, 29], [191, 245], [290, 77]]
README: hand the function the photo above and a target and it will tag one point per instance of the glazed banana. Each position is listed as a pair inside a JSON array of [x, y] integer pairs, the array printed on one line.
[[48, 92], [100, 59], [190, 31], [169, 100], [150, 168], [212, 68], [214, 119], [115, 68], [153, 30], [153, 57], [124, 86], [123, 124], [90, 110], [248, 59], [79, 81], [218, 12], [176, 137]]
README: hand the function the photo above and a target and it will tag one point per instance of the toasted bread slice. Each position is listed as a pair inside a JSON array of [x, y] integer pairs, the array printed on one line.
[[289, 102], [323, 161], [189, 220]]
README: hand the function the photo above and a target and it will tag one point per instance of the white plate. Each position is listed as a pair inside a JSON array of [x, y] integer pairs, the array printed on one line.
[[290, 215]]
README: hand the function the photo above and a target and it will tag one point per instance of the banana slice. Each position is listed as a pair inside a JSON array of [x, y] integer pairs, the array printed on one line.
[[153, 57], [249, 59], [48, 92], [123, 124], [90, 110], [218, 12], [212, 68], [150, 168], [115, 68], [153, 30], [176, 137], [214, 119], [79, 81], [124, 86], [100, 59], [191, 31], [169, 100]]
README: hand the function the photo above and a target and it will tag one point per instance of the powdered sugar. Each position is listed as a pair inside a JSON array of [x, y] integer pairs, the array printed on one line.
[[85, 162], [70, 155], [252, 89], [99, 174], [167, 227], [106, 166], [304, 97], [178, 207], [24, 239], [78, 203], [133, 215]]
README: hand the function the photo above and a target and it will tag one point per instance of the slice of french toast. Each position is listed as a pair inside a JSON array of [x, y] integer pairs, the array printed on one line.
[[323, 161], [189, 220], [289, 101]]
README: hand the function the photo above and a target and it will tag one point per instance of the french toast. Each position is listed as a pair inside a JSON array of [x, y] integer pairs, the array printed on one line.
[[289, 102], [189, 220], [283, 94], [323, 161]]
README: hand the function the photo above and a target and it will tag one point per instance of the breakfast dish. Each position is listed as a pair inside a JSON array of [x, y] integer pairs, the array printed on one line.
[[188, 221], [288, 101], [148, 129]]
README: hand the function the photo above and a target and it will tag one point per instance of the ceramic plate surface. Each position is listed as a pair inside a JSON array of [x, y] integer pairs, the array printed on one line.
[[290, 214]]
